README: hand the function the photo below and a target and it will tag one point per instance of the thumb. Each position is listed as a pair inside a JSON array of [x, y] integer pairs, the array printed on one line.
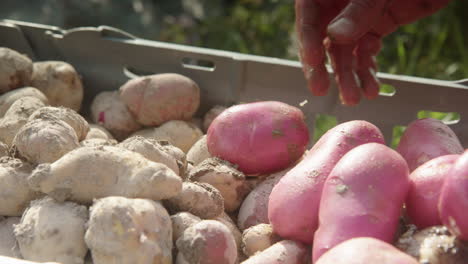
[[356, 19]]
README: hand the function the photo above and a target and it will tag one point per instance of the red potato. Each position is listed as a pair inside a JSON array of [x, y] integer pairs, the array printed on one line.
[[365, 250], [283, 252], [362, 197], [159, 98], [425, 139], [236, 233], [180, 222], [260, 137], [294, 202], [254, 208], [424, 192], [208, 242], [453, 201]]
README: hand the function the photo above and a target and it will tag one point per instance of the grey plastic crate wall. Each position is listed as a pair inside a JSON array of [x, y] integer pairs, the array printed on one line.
[[107, 57]]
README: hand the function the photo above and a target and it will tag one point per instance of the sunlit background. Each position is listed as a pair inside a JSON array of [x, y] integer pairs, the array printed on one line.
[[434, 47]]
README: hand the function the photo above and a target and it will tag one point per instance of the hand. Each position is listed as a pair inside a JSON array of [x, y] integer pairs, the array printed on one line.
[[351, 32]]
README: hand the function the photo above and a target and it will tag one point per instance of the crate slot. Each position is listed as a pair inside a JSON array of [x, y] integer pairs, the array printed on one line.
[[198, 64], [132, 72], [449, 118]]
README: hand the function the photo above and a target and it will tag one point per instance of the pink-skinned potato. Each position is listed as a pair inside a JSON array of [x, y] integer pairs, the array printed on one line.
[[208, 242], [297, 195], [254, 208], [362, 197], [425, 139], [159, 98], [453, 201], [260, 137], [424, 192], [365, 250]]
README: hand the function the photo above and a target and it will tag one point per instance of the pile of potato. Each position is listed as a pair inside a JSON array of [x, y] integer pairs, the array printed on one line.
[[142, 180]]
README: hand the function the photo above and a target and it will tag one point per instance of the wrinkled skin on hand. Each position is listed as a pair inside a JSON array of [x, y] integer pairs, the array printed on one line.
[[350, 31]]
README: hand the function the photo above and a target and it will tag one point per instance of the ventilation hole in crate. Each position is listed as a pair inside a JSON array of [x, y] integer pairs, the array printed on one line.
[[449, 118], [132, 72], [387, 90], [396, 135], [322, 124], [198, 64]]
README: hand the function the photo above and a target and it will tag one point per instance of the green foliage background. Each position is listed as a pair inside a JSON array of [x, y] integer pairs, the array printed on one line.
[[433, 47]]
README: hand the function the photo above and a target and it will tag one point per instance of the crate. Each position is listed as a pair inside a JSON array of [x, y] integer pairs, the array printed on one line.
[[107, 57]]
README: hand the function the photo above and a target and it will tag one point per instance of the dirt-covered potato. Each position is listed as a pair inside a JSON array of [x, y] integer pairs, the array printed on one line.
[[200, 199], [7, 99], [60, 82], [97, 131], [96, 142], [8, 245], [150, 149], [108, 110], [123, 230], [211, 115], [226, 178], [178, 154], [198, 152], [15, 193], [53, 231], [158, 98], [178, 133], [88, 173], [15, 70], [17, 116], [258, 238], [45, 140], [69, 116], [180, 222], [4, 150], [434, 245]]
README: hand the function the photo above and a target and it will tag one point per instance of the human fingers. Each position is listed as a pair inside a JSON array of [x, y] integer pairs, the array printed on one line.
[[368, 47], [355, 20], [310, 28], [343, 63]]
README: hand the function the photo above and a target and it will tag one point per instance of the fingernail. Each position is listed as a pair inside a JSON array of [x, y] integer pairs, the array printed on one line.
[[341, 28]]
